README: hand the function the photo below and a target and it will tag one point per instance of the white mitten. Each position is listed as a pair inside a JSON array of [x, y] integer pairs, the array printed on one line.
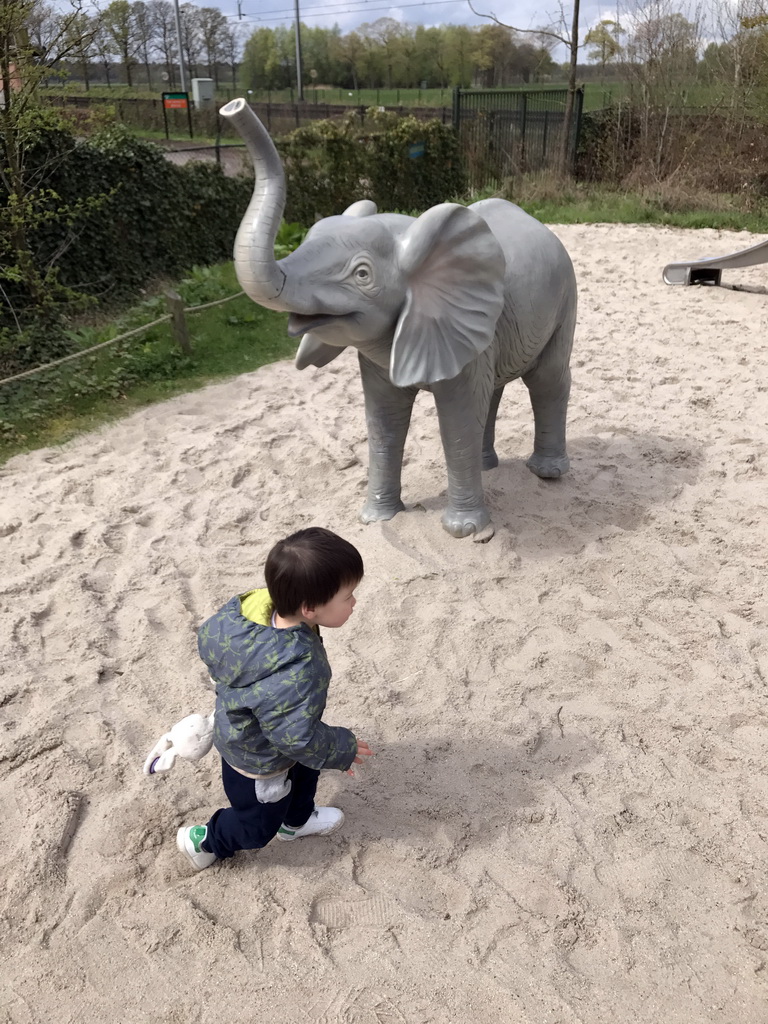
[[271, 791], [190, 738]]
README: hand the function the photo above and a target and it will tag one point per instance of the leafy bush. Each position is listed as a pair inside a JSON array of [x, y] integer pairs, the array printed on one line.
[[101, 217], [400, 163], [154, 218]]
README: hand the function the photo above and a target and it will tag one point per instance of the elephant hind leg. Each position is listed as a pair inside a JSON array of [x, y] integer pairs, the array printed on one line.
[[490, 458], [549, 387]]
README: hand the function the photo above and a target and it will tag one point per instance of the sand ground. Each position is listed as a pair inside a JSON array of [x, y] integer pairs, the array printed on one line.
[[567, 817]]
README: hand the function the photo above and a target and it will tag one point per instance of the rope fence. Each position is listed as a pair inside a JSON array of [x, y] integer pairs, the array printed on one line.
[[176, 315]]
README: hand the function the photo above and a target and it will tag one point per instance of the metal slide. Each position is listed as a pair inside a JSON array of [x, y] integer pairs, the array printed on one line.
[[709, 271]]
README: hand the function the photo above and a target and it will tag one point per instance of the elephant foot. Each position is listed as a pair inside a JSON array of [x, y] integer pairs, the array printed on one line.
[[376, 512], [549, 467], [490, 459], [464, 524]]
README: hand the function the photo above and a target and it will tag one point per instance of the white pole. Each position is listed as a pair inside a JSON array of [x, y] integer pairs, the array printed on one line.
[[298, 53], [181, 52]]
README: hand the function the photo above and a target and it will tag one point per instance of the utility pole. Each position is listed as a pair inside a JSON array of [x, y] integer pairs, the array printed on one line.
[[298, 54], [181, 52]]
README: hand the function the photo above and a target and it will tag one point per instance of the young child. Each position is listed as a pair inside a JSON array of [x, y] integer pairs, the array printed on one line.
[[264, 652]]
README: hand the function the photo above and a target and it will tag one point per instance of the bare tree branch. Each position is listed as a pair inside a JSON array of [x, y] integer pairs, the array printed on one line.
[[565, 40]]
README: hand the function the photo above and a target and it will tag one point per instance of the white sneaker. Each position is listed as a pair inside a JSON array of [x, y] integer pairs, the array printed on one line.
[[322, 821], [188, 841]]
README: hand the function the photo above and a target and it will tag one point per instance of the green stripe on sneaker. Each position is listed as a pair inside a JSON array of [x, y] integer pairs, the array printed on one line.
[[287, 831], [197, 834]]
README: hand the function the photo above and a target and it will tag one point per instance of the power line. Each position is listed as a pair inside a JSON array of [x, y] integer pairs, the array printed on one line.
[[288, 15], [315, 7]]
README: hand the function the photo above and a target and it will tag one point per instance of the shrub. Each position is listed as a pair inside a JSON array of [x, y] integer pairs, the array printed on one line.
[[400, 163], [102, 216]]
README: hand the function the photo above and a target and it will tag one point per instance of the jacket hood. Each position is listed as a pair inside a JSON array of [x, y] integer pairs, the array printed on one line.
[[240, 646]]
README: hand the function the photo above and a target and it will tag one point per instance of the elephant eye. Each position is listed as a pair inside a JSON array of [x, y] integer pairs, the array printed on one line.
[[362, 274]]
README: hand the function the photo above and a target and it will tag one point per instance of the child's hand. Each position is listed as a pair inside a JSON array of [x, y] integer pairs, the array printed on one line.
[[363, 750]]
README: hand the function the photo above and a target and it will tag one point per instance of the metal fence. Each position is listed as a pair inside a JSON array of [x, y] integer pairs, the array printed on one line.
[[511, 131], [279, 118]]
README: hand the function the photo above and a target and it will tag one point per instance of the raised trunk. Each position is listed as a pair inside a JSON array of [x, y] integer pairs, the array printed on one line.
[[257, 271]]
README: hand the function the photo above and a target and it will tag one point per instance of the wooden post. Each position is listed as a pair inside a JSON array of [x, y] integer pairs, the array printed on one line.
[[178, 322]]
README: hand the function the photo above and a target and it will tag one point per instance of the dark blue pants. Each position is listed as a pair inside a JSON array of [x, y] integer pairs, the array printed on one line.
[[249, 824]]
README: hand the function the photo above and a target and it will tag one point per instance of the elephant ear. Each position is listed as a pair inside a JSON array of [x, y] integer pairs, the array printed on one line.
[[362, 208], [312, 352], [454, 268]]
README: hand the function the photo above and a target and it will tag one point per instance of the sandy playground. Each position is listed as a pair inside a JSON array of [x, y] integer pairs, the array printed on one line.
[[567, 818]]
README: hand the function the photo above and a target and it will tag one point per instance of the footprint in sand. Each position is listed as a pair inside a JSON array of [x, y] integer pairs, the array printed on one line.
[[372, 912]]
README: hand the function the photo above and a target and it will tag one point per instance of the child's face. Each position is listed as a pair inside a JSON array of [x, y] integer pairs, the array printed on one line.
[[336, 611]]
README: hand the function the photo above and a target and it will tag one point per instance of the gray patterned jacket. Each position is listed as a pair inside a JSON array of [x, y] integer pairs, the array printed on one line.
[[271, 687]]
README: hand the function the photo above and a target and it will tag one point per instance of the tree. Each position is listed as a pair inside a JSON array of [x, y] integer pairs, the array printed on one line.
[[493, 55], [263, 66], [31, 298], [102, 48], [604, 40], [231, 49], [386, 34], [321, 53], [352, 54], [665, 44], [431, 45], [211, 26], [78, 37], [410, 73], [571, 41], [43, 26], [164, 33], [459, 41], [144, 26], [119, 24], [753, 40], [190, 37]]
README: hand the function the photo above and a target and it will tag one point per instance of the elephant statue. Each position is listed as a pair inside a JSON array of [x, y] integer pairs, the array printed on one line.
[[458, 301]]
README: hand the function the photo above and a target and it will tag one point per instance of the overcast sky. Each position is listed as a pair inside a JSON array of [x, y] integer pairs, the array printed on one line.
[[349, 14]]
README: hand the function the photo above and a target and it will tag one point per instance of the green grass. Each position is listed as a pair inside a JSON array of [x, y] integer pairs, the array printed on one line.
[[694, 95], [55, 405], [593, 206]]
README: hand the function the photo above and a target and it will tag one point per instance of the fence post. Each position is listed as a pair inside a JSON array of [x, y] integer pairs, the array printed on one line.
[[178, 321], [456, 106], [577, 132]]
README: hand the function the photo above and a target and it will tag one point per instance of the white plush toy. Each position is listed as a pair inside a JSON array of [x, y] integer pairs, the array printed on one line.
[[190, 738]]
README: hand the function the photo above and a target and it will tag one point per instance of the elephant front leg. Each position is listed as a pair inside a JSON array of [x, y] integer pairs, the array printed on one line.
[[388, 415], [462, 409]]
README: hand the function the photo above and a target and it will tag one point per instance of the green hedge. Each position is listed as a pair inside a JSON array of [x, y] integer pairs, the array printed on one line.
[[157, 217], [400, 163], [109, 213]]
